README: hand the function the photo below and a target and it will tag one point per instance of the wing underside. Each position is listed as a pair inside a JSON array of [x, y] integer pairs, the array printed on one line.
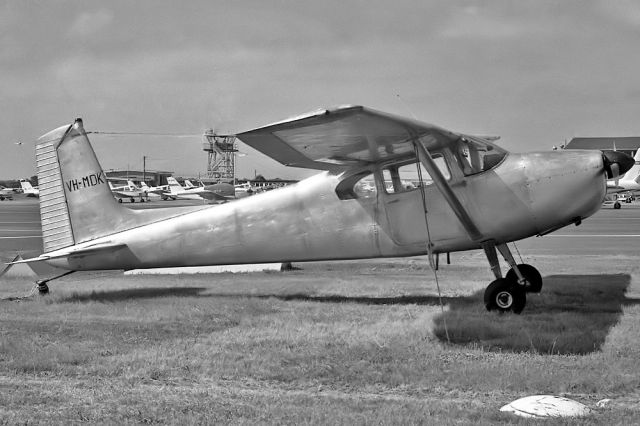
[[344, 137]]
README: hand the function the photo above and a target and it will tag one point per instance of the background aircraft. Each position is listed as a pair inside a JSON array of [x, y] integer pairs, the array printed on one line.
[[6, 193], [28, 189], [481, 196], [218, 192], [129, 191]]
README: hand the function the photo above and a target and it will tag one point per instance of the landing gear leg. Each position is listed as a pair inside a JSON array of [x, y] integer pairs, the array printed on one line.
[[522, 274], [502, 295]]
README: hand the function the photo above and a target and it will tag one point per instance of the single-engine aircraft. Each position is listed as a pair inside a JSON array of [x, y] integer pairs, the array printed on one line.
[[129, 191], [469, 194], [6, 193]]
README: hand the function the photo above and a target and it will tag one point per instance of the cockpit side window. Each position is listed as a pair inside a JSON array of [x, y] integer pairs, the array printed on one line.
[[476, 155], [405, 177]]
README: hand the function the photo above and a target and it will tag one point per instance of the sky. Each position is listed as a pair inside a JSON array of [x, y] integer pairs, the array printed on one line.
[[535, 72]]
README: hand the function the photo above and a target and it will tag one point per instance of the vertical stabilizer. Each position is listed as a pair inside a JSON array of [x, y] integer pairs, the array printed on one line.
[[76, 204]]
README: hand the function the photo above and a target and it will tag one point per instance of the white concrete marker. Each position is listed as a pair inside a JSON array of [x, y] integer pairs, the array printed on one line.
[[219, 269], [541, 406]]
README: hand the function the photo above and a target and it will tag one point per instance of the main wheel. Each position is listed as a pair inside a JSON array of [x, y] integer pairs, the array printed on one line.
[[531, 275], [504, 296], [617, 205], [43, 288]]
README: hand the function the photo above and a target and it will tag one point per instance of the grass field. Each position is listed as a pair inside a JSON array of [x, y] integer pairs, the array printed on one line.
[[336, 342]]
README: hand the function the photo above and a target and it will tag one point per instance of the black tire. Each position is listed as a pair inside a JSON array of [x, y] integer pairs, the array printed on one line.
[[43, 289], [120, 200], [617, 205], [531, 274], [503, 296]]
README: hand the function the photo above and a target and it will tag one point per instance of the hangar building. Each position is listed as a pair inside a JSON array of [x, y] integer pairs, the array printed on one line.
[[628, 144]]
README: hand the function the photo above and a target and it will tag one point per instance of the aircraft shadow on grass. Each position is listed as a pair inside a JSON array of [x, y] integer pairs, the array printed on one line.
[[572, 315]]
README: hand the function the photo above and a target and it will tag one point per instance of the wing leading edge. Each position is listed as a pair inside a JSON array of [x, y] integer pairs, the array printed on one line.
[[344, 137]]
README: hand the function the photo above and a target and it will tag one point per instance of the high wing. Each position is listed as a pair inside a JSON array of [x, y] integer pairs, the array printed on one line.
[[340, 138]]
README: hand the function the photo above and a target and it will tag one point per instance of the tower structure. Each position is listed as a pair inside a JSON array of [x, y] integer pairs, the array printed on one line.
[[221, 151]]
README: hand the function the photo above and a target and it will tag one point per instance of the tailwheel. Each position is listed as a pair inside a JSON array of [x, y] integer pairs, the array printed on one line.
[[533, 279], [503, 295], [43, 288]]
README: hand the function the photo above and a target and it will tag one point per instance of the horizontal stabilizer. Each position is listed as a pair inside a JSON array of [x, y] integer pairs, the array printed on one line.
[[90, 250]]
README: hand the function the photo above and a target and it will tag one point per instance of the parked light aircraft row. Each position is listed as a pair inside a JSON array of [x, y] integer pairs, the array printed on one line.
[[471, 194], [219, 192]]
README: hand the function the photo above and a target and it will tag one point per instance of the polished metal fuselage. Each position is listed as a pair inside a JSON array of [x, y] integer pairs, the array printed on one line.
[[525, 195]]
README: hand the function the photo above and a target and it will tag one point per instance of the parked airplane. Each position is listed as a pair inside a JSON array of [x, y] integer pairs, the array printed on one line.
[[480, 197], [189, 185], [6, 193], [29, 190], [129, 191], [155, 191], [217, 192]]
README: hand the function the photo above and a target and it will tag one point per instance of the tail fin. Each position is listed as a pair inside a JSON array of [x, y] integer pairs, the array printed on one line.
[[172, 181], [188, 184], [174, 186], [76, 204], [25, 184]]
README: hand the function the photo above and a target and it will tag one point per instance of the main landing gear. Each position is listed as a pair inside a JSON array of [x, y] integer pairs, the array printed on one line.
[[509, 294]]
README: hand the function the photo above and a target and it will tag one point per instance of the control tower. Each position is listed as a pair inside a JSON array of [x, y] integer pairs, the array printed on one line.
[[221, 151]]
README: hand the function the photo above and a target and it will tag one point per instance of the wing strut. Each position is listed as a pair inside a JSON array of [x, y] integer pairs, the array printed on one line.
[[430, 255], [448, 194]]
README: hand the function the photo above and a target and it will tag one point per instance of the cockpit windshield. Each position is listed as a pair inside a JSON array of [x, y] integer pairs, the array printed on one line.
[[476, 155]]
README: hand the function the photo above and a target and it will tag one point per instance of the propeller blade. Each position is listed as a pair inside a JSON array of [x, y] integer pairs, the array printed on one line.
[[616, 163]]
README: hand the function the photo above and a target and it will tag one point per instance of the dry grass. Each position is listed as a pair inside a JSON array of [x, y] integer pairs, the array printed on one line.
[[350, 342]]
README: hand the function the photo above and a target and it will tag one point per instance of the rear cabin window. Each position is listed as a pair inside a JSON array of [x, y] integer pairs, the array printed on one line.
[[361, 185]]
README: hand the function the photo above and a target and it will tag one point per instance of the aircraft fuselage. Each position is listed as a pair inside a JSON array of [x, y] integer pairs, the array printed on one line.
[[525, 195]]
